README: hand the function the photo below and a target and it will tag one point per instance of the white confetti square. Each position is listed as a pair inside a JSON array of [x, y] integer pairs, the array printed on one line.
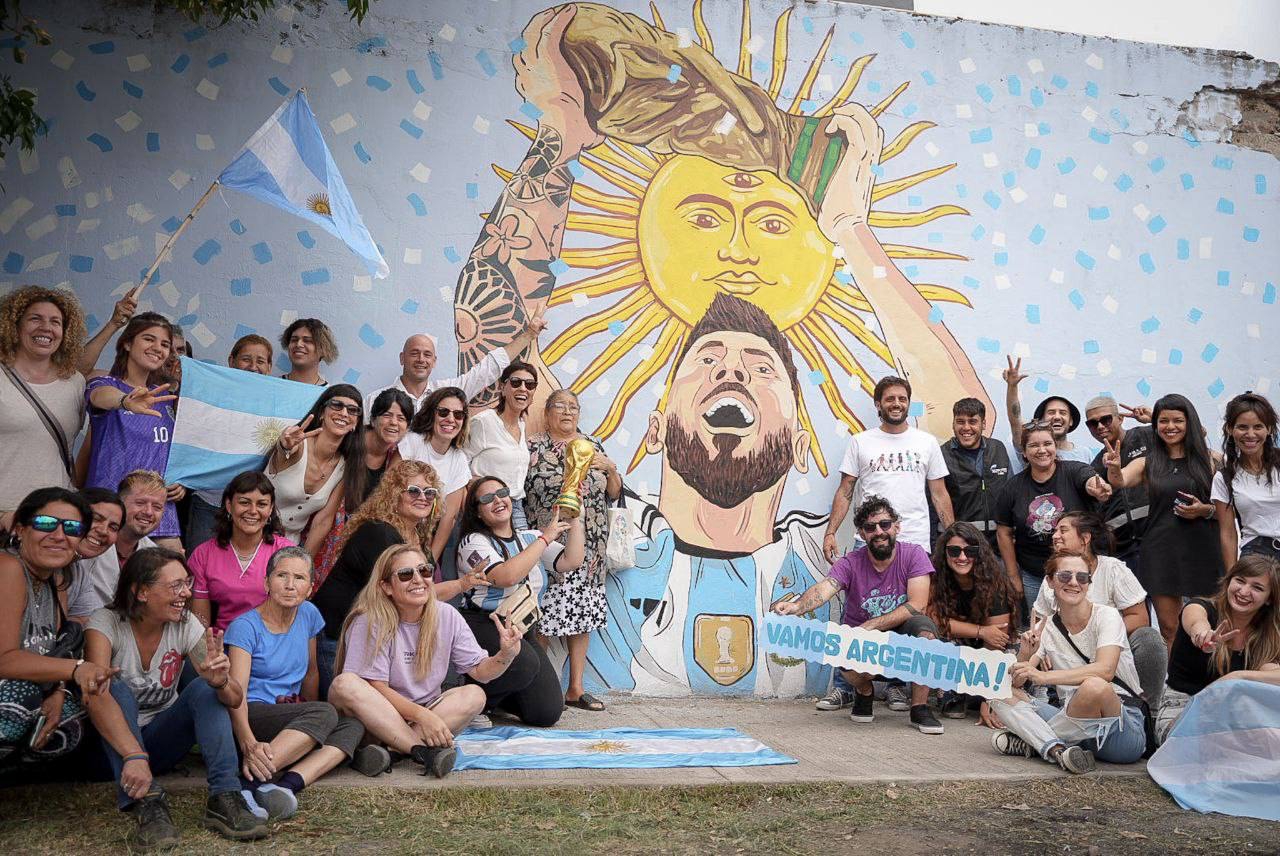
[[990, 161], [28, 162], [968, 66], [1263, 386], [1142, 212], [160, 239], [683, 37], [138, 62], [837, 251], [168, 292], [1110, 304], [139, 213], [964, 111], [480, 125], [41, 227], [1140, 146], [412, 256], [1103, 367], [204, 142], [13, 212], [879, 272], [343, 123], [1059, 200], [448, 32], [282, 54], [288, 316], [1057, 277], [1113, 253], [825, 84], [68, 173], [571, 369], [1247, 288], [725, 124], [1003, 282], [62, 60], [1206, 248], [361, 283], [121, 248], [203, 335], [579, 300], [1018, 195], [179, 179], [1148, 356], [89, 224], [622, 435], [802, 486], [932, 149], [754, 44], [1021, 350], [999, 239], [1089, 114], [446, 293], [1253, 331], [1067, 372], [285, 13], [91, 199], [1094, 61], [603, 387], [1030, 130], [1100, 172], [207, 88], [1035, 66], [421, 111], [43, 263], [421, 172], [341, 77]]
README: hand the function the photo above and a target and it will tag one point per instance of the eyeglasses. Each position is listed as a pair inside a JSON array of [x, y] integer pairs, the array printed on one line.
[[523, 383], [48, 523], [1104, 421], [565, 408], [422, 492], [1064, 577], [969, 550], [500, 493], [178, 586], [406, 574], [442, 412], [335, 406], [872, 525]]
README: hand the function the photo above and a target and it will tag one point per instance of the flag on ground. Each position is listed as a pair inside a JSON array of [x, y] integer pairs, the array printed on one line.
[[512, 748], [287, 164], [228, 420]]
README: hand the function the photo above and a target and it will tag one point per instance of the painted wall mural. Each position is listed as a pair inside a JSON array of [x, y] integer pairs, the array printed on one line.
[[735, 216]]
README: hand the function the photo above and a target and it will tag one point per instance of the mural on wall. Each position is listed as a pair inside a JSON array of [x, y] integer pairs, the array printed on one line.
[[735, 217]]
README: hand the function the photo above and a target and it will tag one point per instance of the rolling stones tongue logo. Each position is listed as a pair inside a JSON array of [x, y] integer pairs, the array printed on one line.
[[170, 667]]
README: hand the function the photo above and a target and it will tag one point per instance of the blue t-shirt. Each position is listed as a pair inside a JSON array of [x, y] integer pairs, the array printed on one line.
[[280, 660]]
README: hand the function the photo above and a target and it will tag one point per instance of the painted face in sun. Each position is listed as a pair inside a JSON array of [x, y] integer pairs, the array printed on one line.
[[706, 228]]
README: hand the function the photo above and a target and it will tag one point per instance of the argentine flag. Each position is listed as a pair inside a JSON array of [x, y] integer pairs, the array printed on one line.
[[228, 420], [287, 163]]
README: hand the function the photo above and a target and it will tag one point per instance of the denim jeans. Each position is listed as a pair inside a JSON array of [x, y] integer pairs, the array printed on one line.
[[201, 520], [195, 717], [326, 654], [1030, 590], [1113, 739]]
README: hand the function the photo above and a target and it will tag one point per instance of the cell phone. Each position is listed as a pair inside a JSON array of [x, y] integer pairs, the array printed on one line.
[[1183, 499], [477, 561], [41, 722]]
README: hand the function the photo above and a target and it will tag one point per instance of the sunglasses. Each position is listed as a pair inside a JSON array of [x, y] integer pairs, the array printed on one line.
[[1064, 577], [500, 493], [872, 526], [422, 492], [404, 575], [48, 523], [969, 550], [337, 406], [442, 412], [1104, 421], [523, 383]]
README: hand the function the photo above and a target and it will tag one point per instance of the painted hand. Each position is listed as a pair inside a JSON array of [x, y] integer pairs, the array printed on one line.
[[544, 79], [848, 198]]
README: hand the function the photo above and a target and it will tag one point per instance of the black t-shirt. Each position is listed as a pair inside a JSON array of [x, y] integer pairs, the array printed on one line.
[[1126, 511], [964, 602], [351, 572], [1190, 669], [1032, 509]]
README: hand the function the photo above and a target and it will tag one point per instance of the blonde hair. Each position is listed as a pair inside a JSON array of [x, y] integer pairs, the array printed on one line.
[[1263, 645], [16, 303], [141, 480], [383, 505], [383, 619]]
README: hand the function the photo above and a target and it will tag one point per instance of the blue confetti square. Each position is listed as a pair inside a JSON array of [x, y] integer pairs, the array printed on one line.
[[962, 191], [84, 91], [1124, 183], [1033, 313], [1102, 212], [991, 199], [936, 237], [68, 210], [1001, 259], [1066, 165], [194, 33], [419, 207], [978, 232], [982, 135], [451, 254], [381, 84], [1041, 385], [1044, 129], [1144, 388], [261, 252], [857, 38], [1194, 315], [411, 77], [617, 328], [361, 153], [132, 89], [844, 277], [1220, 162], [243, 330], [411, 129], [237, 227], [486, 64], [1119, 119], [1175, 357], [281, 88], [473, 190], [241, 287], [206, 251], [103, 144], [1147, 264], [13, 262], [558, 267], [1091, 346], [1033, 158], [915, 199], [985, 93], [1009, 179], [1184, 249], [304, 238], [910, 110], [1251, 234], [576, 169], [409, 307], [171, 225], [1156, 164], [673, 73], [1226, 206], [1210, 351], [1015, 85], [217, 60], [1150, 325], [1156, 225], [916, 409], [1076, 298], [1216, 388], [928, 78], [1085, 260], [187, 320], [1099, 136], [1260, 184], [907, 40], [1059, 81], [1269, 294], [1037, 96], [989, 346], [531, 110], [1187, 181], [153, 141], [911, 271], [817, 378], [81, 264], [371, 337], [1224, 278], [517, 44], [351, 376], [807, 23], [102, 47], [369, 44], [935, 315], [180, 64], [318, 276], [437, 65], [877, 170], [1091, 89]]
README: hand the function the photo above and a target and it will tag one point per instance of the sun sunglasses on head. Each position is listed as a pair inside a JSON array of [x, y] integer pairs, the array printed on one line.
[[416, 492], [442, 412], [335, 406], [500, 493], [406, 574], [969, 550], [523, 383], [1064, 577], [48, 523], [1104, 421], [882, 525]]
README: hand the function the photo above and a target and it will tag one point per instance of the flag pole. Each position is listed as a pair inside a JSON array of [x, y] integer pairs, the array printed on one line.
[[151, 271]]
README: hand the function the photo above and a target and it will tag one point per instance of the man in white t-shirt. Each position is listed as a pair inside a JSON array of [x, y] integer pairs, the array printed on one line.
[[894, 461], [143, 495]]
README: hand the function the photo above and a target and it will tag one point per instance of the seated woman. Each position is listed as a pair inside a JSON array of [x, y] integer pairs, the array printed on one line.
[[971, 601], [1083, 650], [228, 571], [287, 738], [1232, 636], [41, 681], [147, 726], [509, 557], [397, 644]]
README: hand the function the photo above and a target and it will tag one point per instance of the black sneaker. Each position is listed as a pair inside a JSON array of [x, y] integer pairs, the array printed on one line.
[[953, 705], [371, 760], [861, 710], [437, 762], [230, 816], [924, 720], [835, 700], [155, 825]]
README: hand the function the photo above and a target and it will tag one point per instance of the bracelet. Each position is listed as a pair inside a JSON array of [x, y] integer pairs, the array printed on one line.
[[222, 685], [543, 539], [78, 664], [136, 756]]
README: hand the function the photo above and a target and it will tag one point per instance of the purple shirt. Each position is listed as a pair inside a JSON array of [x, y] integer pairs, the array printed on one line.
[[124, 442], [869, 594], [393, 664]]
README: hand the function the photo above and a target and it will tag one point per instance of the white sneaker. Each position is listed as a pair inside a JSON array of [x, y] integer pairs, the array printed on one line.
[[481, 721]]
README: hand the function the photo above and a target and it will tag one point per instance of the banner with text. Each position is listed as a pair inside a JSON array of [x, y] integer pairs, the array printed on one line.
[[973, 671]]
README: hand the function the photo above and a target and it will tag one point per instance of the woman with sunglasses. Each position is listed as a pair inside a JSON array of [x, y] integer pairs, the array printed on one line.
[[397, 646], [288, 737], [313, 470], [436, 436], [1181, 551], [1113, 585], [1247, 488], [573, 605], [146, 723], [496, 443], [228, 570], [1083, 651], [1031, 503], [969, 600], [510, 557], [42, 681]]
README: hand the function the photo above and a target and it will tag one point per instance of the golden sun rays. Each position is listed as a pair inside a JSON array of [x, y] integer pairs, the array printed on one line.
[[618, 266]]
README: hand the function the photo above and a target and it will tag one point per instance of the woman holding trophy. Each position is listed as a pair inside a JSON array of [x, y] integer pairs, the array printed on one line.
[[567, 466]]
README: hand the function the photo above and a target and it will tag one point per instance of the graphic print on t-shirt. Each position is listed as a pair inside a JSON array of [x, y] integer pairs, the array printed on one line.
[[151, 694], [876, 604], [1043, 513], [898, 462]]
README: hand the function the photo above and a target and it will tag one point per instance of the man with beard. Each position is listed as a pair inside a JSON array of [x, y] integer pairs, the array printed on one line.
[[886, 587], [1126, 512], [1063, 416], [689, 616], [143, 494]]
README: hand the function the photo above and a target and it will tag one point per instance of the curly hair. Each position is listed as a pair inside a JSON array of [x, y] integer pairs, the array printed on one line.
[[990, 583], [74, 332], [873, 504], [326, 344], [382, 506]]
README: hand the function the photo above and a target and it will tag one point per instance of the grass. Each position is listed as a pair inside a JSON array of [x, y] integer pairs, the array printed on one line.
[[1078, 815]]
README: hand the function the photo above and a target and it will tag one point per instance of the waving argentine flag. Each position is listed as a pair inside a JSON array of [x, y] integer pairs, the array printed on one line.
[[287, 163], [228, 420]]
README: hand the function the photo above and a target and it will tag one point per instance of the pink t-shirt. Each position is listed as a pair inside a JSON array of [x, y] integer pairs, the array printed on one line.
[[394, 664], [217, 577], [869, 594]]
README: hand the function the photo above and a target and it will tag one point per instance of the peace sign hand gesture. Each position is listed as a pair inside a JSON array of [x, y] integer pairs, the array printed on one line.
[[295, 435], [1141, 413], [143, 401], [508, 636], [1208, 640], [1029, 640], [1013, 374]]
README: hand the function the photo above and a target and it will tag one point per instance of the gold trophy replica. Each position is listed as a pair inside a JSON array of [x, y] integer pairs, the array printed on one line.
[[578, 455]]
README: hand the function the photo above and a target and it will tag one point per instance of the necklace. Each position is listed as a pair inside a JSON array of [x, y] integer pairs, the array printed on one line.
[[246, 561]]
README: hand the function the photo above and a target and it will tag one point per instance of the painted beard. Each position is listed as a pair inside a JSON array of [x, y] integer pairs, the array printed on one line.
[[727, 480]]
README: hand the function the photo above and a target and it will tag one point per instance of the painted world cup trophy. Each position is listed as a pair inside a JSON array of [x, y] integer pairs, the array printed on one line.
[[578, 455]]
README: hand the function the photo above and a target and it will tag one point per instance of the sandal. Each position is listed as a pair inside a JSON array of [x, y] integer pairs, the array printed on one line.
[[586, 701]]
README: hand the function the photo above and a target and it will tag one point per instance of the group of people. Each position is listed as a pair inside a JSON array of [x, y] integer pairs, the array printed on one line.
[[347, 602]]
